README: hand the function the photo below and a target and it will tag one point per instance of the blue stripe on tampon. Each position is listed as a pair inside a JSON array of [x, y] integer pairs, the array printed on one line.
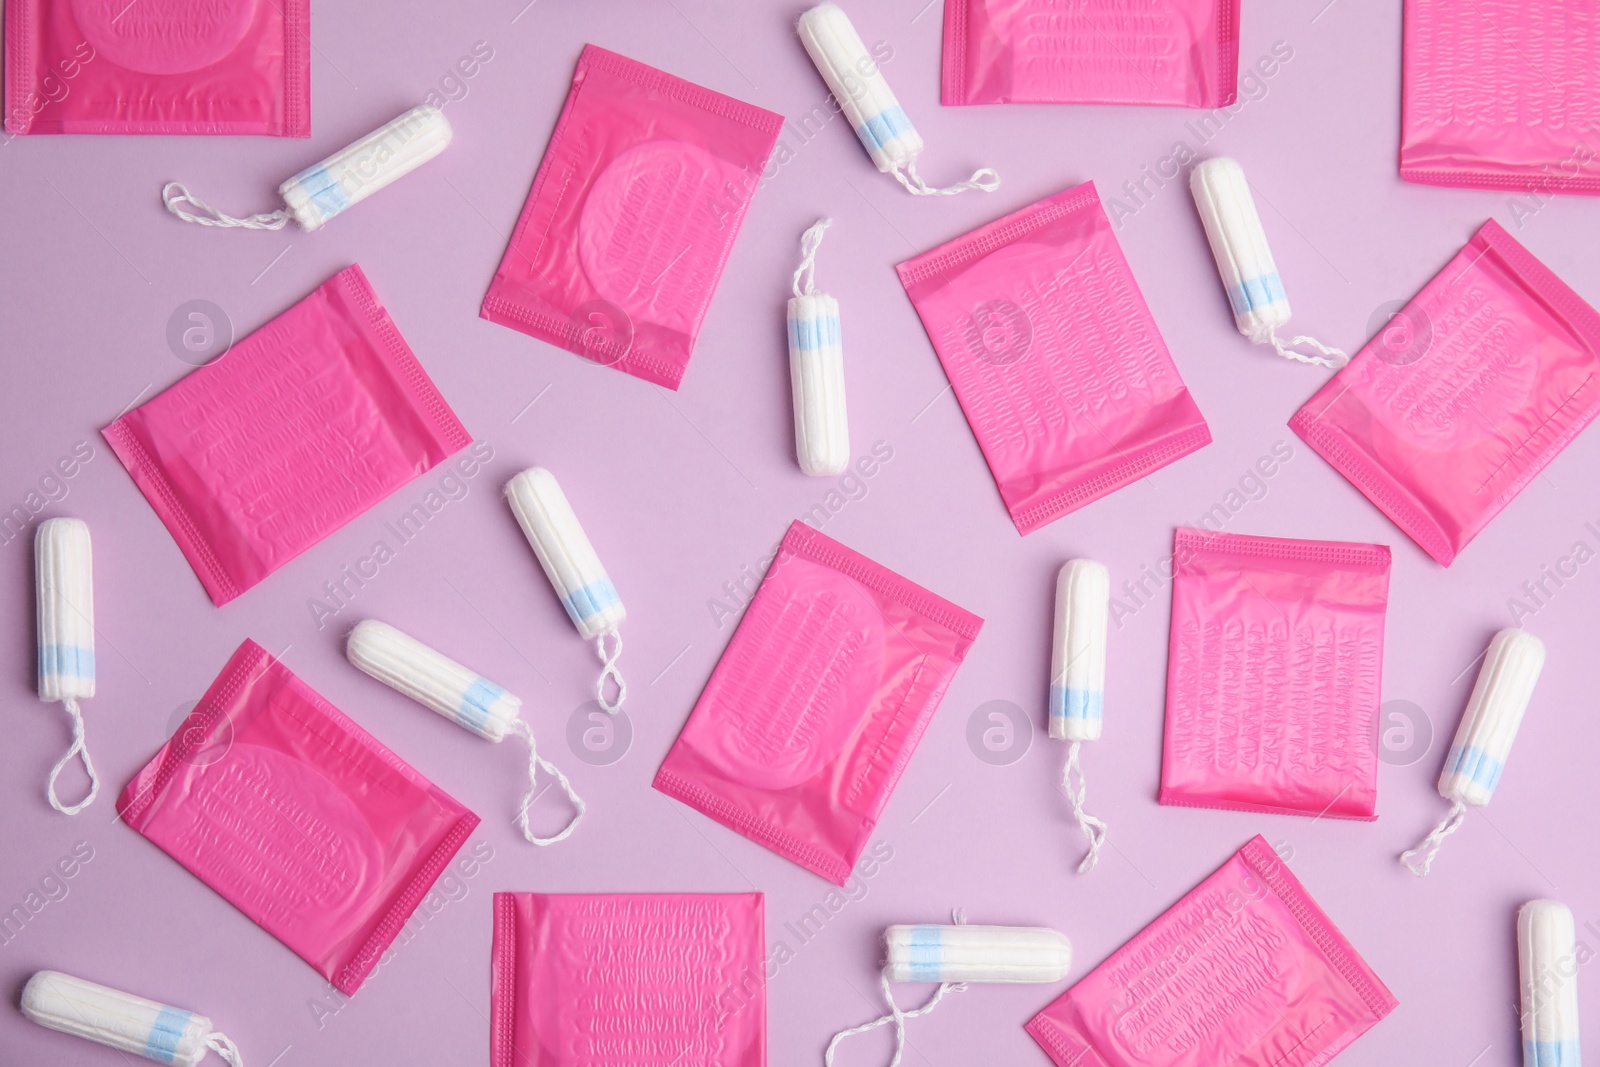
[[590, 601], [474, 707], [1078, 705], [60, 660], [165, 1035], [809, 335], [323, 190], [927, 957], [1550, 1053], [1256, 293], [1473, 762], [878, 130]]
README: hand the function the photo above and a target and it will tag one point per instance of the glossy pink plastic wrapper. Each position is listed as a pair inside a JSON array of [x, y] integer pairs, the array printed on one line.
[[296, 430], [632, 215], [1054, 355], [297, 817], [1502, 95], [1182, 52], [158, 66], [818, 702], [1468, 393], [628, 980], [1246, 970], [1273, 675]]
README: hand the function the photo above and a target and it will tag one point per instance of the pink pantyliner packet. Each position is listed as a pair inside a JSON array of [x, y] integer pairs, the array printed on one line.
[[1500, 95], [818, 702], [1273, 675], [1054, 355], [296, 430], [158, 66], [622, 979], [1182, 52], [631, 218], [1467, 394], [1245, 970], [297, 817]]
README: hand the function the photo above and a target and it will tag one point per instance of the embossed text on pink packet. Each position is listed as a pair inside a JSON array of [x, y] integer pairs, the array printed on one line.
[[1245, 970], [296, 430], [1273, 674], [628, 980], [297, 817]]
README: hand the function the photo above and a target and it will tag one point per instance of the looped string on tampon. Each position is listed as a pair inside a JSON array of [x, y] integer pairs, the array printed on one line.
[[1429, 846], [174, 195], [222, 1046], [1330, 357], [79, 748], [1093, 829], [609, 670], [896, 1016], [805, 279], [535, 762], [986, 179]]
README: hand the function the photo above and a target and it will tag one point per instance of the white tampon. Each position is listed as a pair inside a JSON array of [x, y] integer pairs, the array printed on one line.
[[123, 1021], [1239, 244], [345, 178], [954, 955], [467, 699], [1483, 740], [63, 568], [869, 105], [816, 368], [569, 561], [1078, 680], [1547, 952]]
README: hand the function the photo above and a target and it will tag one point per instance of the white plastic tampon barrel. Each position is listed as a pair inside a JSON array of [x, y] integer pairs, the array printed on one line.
[[816, 367], [1244, 260], [1547, 952], [932, 953], [64, 572], [463, 696], [1078, 680], [574, 570], [869, 105], [1483, 741], [123, 1021], [339, 182]]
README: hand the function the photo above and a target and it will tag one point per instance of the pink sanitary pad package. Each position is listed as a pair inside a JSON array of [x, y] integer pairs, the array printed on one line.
[[1273, 675], [1465, 396], [297, 816], [632, 216], [628, 980], [1054, 356], [1502, 95], [158, 66], [1183, 52], [1245, 970], [299, 428], [818, 702]]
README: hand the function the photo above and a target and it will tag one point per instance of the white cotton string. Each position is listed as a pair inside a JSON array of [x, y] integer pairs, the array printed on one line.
[[984, 178], [219, 1043], [174, 195], [1429, 846], [609, 670], [1093, 829], [78, 749], [536, 761], [896, 1016], [810, 241], [1330, 357]]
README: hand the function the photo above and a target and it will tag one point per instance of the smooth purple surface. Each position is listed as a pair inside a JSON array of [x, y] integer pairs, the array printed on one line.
[[680, 492]]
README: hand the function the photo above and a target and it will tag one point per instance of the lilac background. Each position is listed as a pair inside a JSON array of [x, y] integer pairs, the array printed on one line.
[[681, 490]]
